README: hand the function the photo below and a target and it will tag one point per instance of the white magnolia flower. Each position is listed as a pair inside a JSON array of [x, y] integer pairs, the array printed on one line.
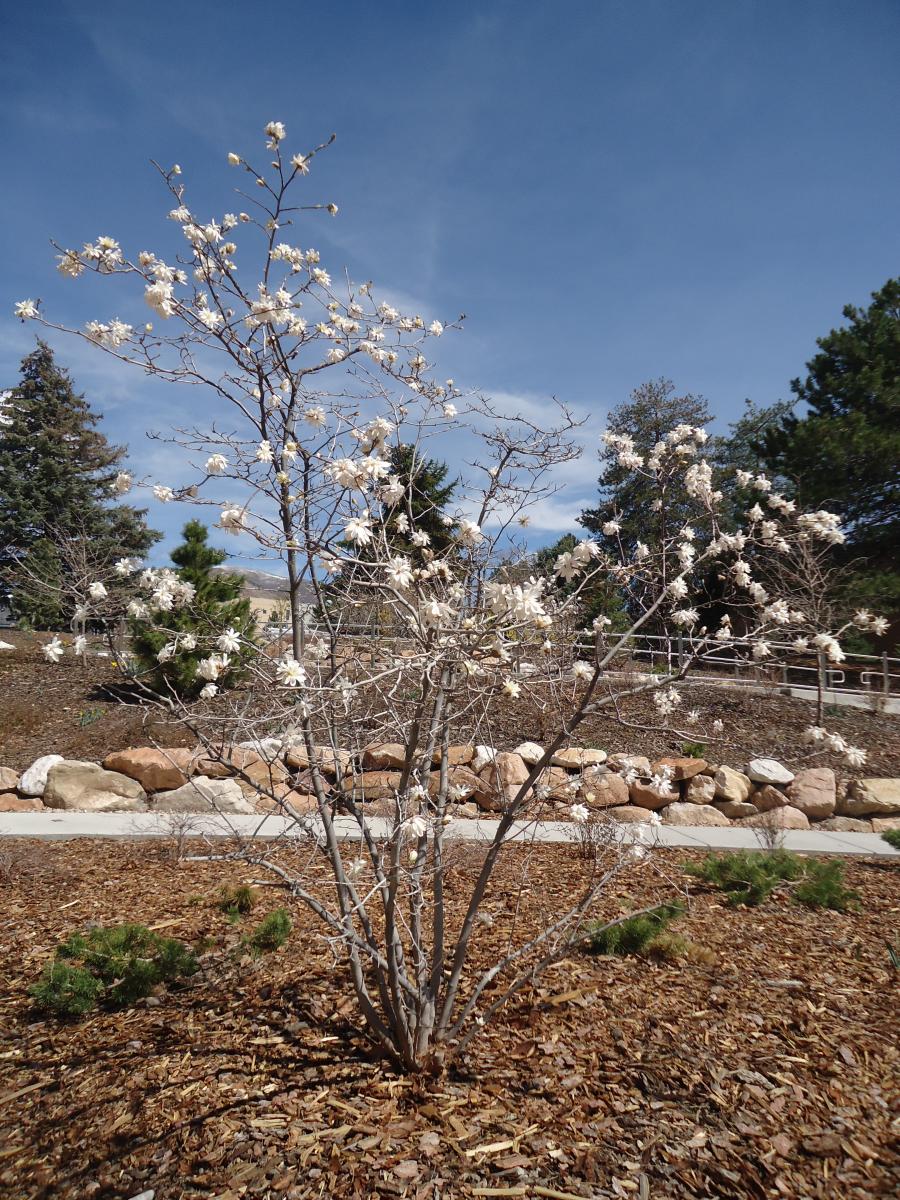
[[187, 641], [216, 464], [121, 484], [53, 650], [97, 591], [232, 520], [718, 725], [80, 644], [813, 734], [582, 670], [264, 452], [26, 310], [138, 610], [470, 533], [399, 572], [208, 691], [229, 641], [276, 131], [211, 668], [611, 528], [761, 650], [512, 689], [290, 672], [579, 813], [420, 538], [163, 494], [450, 410], [417, 826], [879, 626], [359, 529], [854, 756], [123, 566], [167, 652]]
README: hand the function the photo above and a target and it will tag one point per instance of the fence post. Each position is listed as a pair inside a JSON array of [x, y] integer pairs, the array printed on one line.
[[680, 651], [885, 673]]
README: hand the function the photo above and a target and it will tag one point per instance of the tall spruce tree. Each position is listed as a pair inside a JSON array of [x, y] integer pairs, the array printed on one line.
[[56, 469], [218, 604]]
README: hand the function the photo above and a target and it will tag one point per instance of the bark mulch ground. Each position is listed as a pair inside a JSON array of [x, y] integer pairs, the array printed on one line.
[[764, 1067], [74, 709]]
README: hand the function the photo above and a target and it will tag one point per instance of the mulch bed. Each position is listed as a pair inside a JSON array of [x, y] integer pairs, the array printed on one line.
[[766, 1069], [72, 709]]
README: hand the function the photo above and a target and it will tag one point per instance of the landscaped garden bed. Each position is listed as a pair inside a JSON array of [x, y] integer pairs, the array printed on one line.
[[761, 1061]]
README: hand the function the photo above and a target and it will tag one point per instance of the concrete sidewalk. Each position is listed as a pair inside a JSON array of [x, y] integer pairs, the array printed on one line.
[[139, 825]]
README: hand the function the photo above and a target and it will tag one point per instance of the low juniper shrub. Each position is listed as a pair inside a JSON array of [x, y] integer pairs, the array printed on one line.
[[892, 837], [747, 877], [631, 935], [823, 887]]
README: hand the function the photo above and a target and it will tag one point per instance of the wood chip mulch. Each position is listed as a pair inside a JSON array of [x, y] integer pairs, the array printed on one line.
[[767, 1066]]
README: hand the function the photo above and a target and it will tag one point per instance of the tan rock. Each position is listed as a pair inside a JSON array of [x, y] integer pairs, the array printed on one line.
[[769, 770], [814, 792], [734, 810], [529, 752], [9, 779], [845, 825], [372, 785], [384, 756], [693, 814], [883, 824], [457, 756], [85, 786], [482, 758], [503, 778], [767, 798], [204, 795], [262, 776], [871, 797], [10, 802], [299, 802], [155, 770], [701, 790], [778, 818], [603, 789], [328, 761], [646, 796], [635, 762], [731, 784], [460, 778], [574, 759], [681, 767], [629, 814]]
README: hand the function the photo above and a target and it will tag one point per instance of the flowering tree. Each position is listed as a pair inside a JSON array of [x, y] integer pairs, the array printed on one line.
[[326, 384]]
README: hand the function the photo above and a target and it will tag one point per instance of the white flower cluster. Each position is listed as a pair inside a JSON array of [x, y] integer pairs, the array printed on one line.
[[816, 735]]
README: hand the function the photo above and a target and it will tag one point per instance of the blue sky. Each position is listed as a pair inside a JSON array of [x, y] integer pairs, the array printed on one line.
[[611, 191]]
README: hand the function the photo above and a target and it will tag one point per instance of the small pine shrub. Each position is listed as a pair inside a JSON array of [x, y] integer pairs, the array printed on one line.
[[65, 990], [823, 887], [631, 935], [747, 877], [693, 749], [237, 901], [271, 932], [123, 963], [892, 837]]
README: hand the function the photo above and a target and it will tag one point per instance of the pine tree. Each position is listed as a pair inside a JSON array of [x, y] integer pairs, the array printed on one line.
[[218, 604], [428, 494], [56, 469], [842, 452]]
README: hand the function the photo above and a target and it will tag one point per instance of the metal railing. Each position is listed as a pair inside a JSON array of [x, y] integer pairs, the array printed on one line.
[[858, 674]]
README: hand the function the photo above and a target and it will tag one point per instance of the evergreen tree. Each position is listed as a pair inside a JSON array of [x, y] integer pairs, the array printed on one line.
[[56, 471], [647, 416], [218, 604], [843, 452], [428, 494]]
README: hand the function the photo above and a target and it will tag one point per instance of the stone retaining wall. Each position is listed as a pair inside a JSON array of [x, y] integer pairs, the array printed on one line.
[[680, 790]]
